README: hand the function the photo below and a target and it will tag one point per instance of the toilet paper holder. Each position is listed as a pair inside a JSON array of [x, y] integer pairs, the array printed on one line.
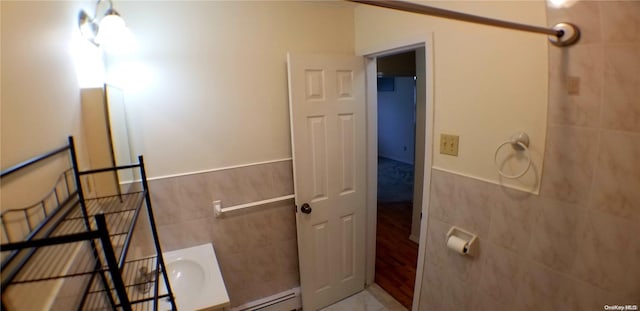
[[469, 239]]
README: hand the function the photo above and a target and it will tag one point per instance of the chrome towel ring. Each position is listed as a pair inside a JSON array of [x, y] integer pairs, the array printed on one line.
[[520, 143]]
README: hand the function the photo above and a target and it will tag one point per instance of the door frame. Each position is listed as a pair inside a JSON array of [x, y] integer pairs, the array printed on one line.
[[387, 48]]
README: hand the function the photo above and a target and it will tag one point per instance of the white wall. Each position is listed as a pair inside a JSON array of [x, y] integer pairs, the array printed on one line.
[[40, 107], [396, 121], [208, 86], [40, 100], [489, 82]]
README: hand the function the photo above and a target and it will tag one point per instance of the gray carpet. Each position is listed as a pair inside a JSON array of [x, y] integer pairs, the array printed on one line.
[[395, 181]]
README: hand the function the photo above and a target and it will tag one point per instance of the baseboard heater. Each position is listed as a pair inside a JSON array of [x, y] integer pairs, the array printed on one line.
[[285, 301]]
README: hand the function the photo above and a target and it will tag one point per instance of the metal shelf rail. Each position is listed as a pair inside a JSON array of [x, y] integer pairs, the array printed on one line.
[[83, 240]]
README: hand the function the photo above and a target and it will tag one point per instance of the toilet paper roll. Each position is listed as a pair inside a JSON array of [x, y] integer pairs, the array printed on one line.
[[457, 244]]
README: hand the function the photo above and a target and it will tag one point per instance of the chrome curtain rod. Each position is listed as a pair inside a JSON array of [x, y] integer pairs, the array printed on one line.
[[562, 34]]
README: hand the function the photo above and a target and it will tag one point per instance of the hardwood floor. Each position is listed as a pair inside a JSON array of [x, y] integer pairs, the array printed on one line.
[[396, 255]]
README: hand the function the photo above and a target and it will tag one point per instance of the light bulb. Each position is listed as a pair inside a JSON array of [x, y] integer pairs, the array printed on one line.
[[111, 28], [113, 36], [562, 3], [557, 3]]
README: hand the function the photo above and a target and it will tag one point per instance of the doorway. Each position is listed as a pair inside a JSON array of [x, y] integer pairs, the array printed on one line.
[[422, 45], [309, 79], [397, 233]]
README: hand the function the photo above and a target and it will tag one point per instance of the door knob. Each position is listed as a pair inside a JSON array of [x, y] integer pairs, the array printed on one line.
[[305, 208]]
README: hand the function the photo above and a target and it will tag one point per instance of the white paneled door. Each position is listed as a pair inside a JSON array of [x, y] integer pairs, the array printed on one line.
[[327, 108]]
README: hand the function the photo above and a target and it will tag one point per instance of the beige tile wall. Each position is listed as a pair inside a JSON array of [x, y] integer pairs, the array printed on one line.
[[577, 245], [256, 247]]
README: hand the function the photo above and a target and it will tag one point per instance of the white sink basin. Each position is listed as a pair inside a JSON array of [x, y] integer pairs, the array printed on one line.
[[195, 279], [186, 277]]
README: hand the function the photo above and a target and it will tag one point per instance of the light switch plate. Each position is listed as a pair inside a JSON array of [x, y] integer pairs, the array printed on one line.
[[449, 144]]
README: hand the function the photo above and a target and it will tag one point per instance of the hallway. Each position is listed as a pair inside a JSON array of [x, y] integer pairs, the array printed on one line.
[[396, 255]]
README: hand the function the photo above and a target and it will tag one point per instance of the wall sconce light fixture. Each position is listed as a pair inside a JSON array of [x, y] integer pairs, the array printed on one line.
[[105, 30]]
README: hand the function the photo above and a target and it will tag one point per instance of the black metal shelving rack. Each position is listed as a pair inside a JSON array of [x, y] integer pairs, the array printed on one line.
[[84, 242]]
